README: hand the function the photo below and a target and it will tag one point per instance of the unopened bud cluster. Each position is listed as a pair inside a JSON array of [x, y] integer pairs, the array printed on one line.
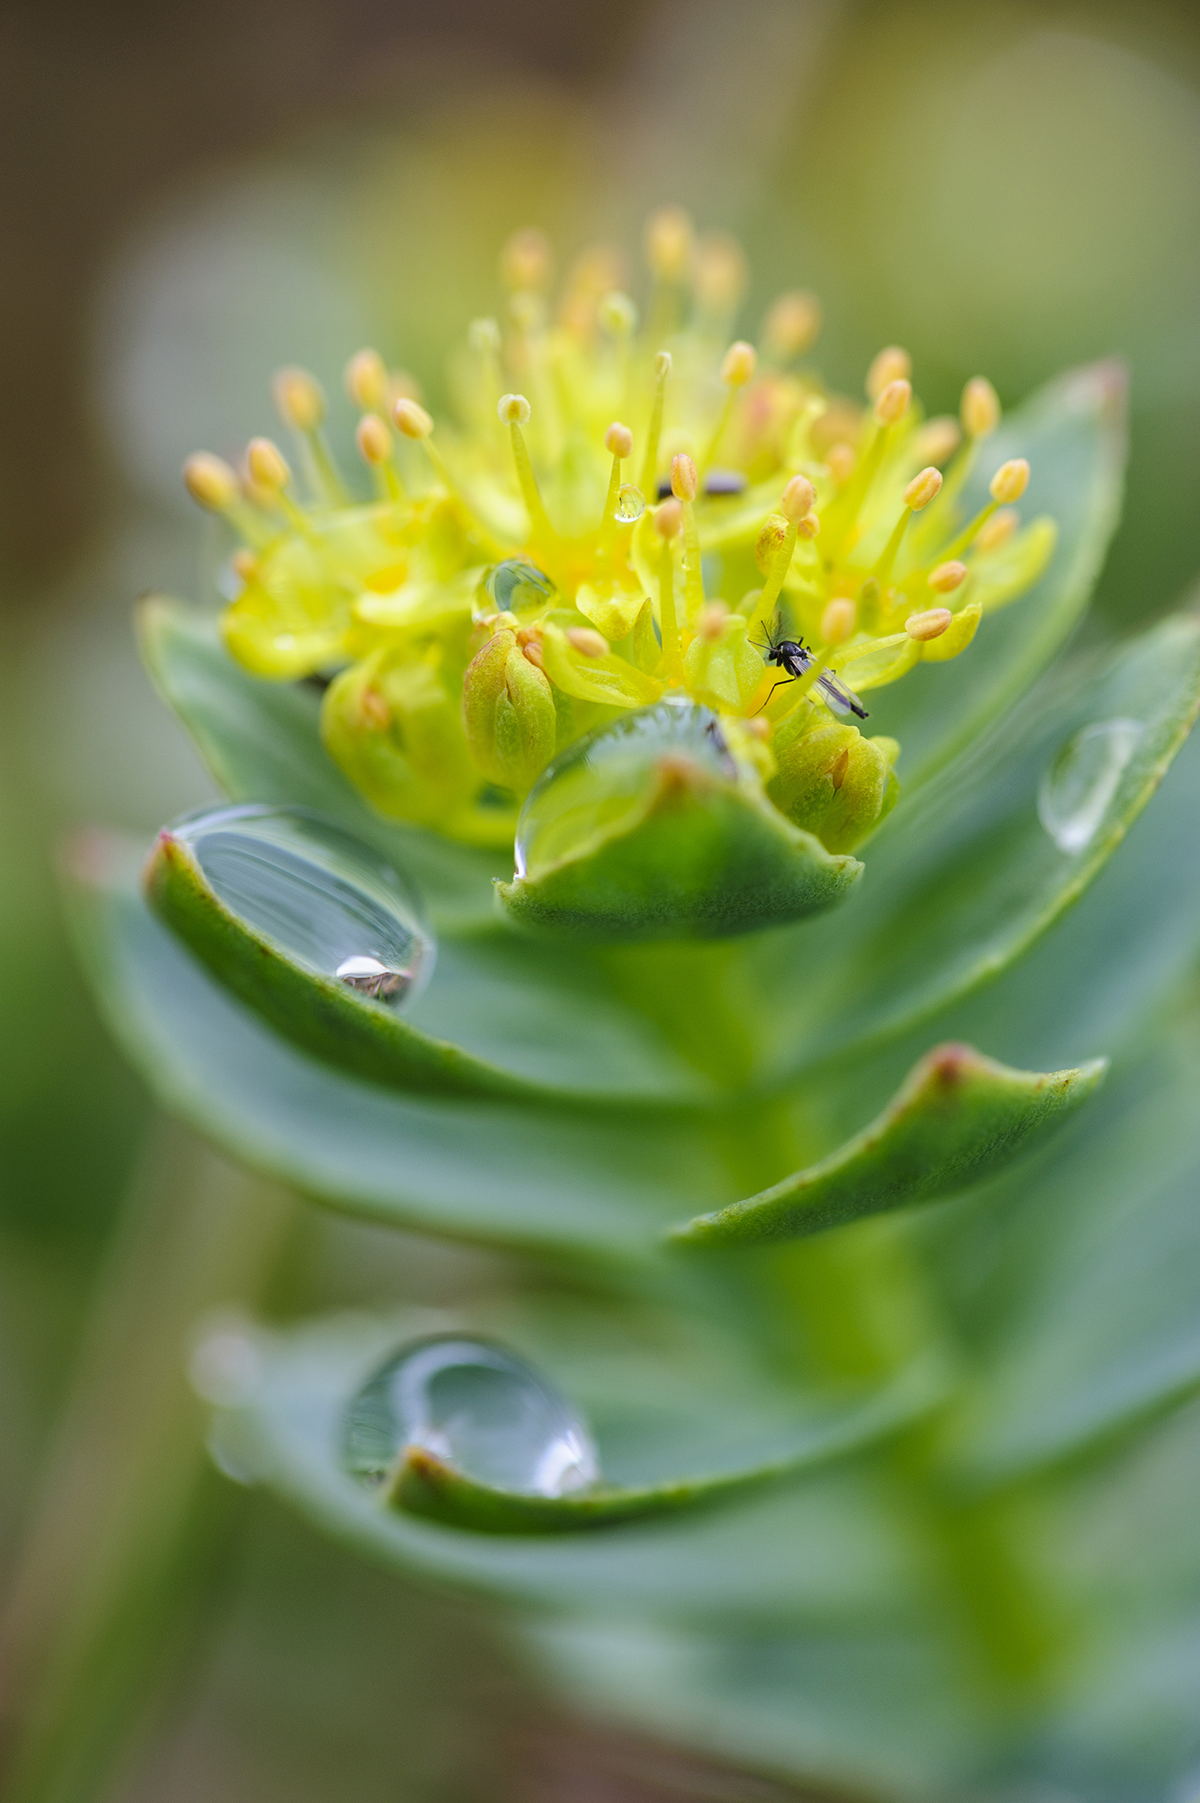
[[633, 503]]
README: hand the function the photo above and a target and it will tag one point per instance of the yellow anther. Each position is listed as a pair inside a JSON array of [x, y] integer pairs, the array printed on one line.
[[739, 364], [809, 526], [998, 530], [685, 483], [712, 619], [618, 315], [210, 481], [893, 401], [1010, 481], [838, 620], [980, 408], [587, 640], [527, 260], [668, 519], [374, 439], [791, 325], [267, 466], [841, 461], [924, 488], [891, 365], [947, 576], [534, 653], [797, 499], [619, 440], [928, 625], [938, 439], [367, 381], [413, 420], [513, 410], [772, 535], [483, 337], [299, 399], [668, 243], [244, 563], [720, 273]]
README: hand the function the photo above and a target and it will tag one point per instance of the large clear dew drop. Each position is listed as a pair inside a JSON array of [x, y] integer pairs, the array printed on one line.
[[477, 1407], [1079, 787], [517, 584], [330, 903], [602, 780]]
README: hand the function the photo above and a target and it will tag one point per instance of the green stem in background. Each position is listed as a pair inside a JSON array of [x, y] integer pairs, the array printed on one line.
[[130, 1516]]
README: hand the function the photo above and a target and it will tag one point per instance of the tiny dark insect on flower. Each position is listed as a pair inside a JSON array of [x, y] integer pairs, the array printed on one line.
[[793, 656]]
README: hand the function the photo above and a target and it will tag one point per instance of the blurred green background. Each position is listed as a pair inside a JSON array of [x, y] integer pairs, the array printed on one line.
[[191, 197]]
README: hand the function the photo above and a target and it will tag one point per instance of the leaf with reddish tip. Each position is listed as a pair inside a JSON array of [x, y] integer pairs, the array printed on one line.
[[958, 1118]]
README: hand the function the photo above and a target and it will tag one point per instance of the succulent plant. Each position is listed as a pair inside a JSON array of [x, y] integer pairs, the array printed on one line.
[[836, 1419]]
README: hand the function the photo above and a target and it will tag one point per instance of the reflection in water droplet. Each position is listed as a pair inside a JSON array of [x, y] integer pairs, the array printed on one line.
[[517, 583], [631, 504], [1078, 788], [603, 778], [328, 901], [476, 1406]]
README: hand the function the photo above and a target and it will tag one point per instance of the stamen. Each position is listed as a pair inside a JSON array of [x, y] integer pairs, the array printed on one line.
[[737, 368], [483, 337], [999, 529], [514, 412], [721, 276], [667, 521], [619, 440], [893, 401], [947, 577], [796, 506], [791, 326], [928, 625], [685, 485], [527, 260], [301, 405], [891, 365], [668, 242], [587, 640], [938, 439], [662, 369], [980, 408], [268, 470], [838, 620], [367, 381], [1007, 485], [841, 461], [375, 448], [214, 486]]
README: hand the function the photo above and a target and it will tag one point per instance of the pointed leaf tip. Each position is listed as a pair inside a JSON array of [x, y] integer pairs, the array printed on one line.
[[958, 1118]]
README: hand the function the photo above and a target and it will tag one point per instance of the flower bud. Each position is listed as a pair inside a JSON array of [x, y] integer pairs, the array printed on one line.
[[947, 577], [619, 440], [267, 466], [1011, 480], [797, 499], [891, 365], [892, 402], [739, 364], [980, 408], [413, 420], [299, 399], [833, 782], [685, 483], [210, 481], [791, 325], [367, 381], [923, 488], [513, 410], [373, 439], [928, 625]]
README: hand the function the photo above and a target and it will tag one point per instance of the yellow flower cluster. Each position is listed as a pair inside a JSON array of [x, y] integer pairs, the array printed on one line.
[[541, 567]]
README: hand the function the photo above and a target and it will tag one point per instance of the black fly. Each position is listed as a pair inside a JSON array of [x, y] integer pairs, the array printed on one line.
[[792, 656]]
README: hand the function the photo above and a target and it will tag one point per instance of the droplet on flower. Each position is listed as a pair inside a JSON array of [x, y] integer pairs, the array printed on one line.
[[324, 898], [517, 584], [476, 1406], [631, 504], [1078, 788], [603, 777]]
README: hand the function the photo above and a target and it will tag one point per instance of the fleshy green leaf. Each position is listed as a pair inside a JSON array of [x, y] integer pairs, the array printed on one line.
[[959, 1118], [700, 858], [1073, 433]]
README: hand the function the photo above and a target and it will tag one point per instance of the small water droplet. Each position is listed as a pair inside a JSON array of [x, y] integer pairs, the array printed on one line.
[[476, 1406], [631, 504], [328, 901], [516, 585], [1078, 788], [603, 777]]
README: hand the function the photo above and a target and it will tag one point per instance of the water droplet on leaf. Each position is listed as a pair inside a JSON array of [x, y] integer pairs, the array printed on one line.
[[604, 778], [631, 504], [477, 1407], [1078, 788], [517, 585], [328, 901]]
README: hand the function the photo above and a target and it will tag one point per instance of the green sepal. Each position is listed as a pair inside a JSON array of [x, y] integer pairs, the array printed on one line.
[[701, 858], [958, 1118]]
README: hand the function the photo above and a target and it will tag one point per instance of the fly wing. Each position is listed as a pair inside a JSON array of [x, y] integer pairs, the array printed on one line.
[[838, 697]]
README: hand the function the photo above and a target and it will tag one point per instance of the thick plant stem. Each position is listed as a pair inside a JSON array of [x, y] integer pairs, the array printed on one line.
[[122, 1537]]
